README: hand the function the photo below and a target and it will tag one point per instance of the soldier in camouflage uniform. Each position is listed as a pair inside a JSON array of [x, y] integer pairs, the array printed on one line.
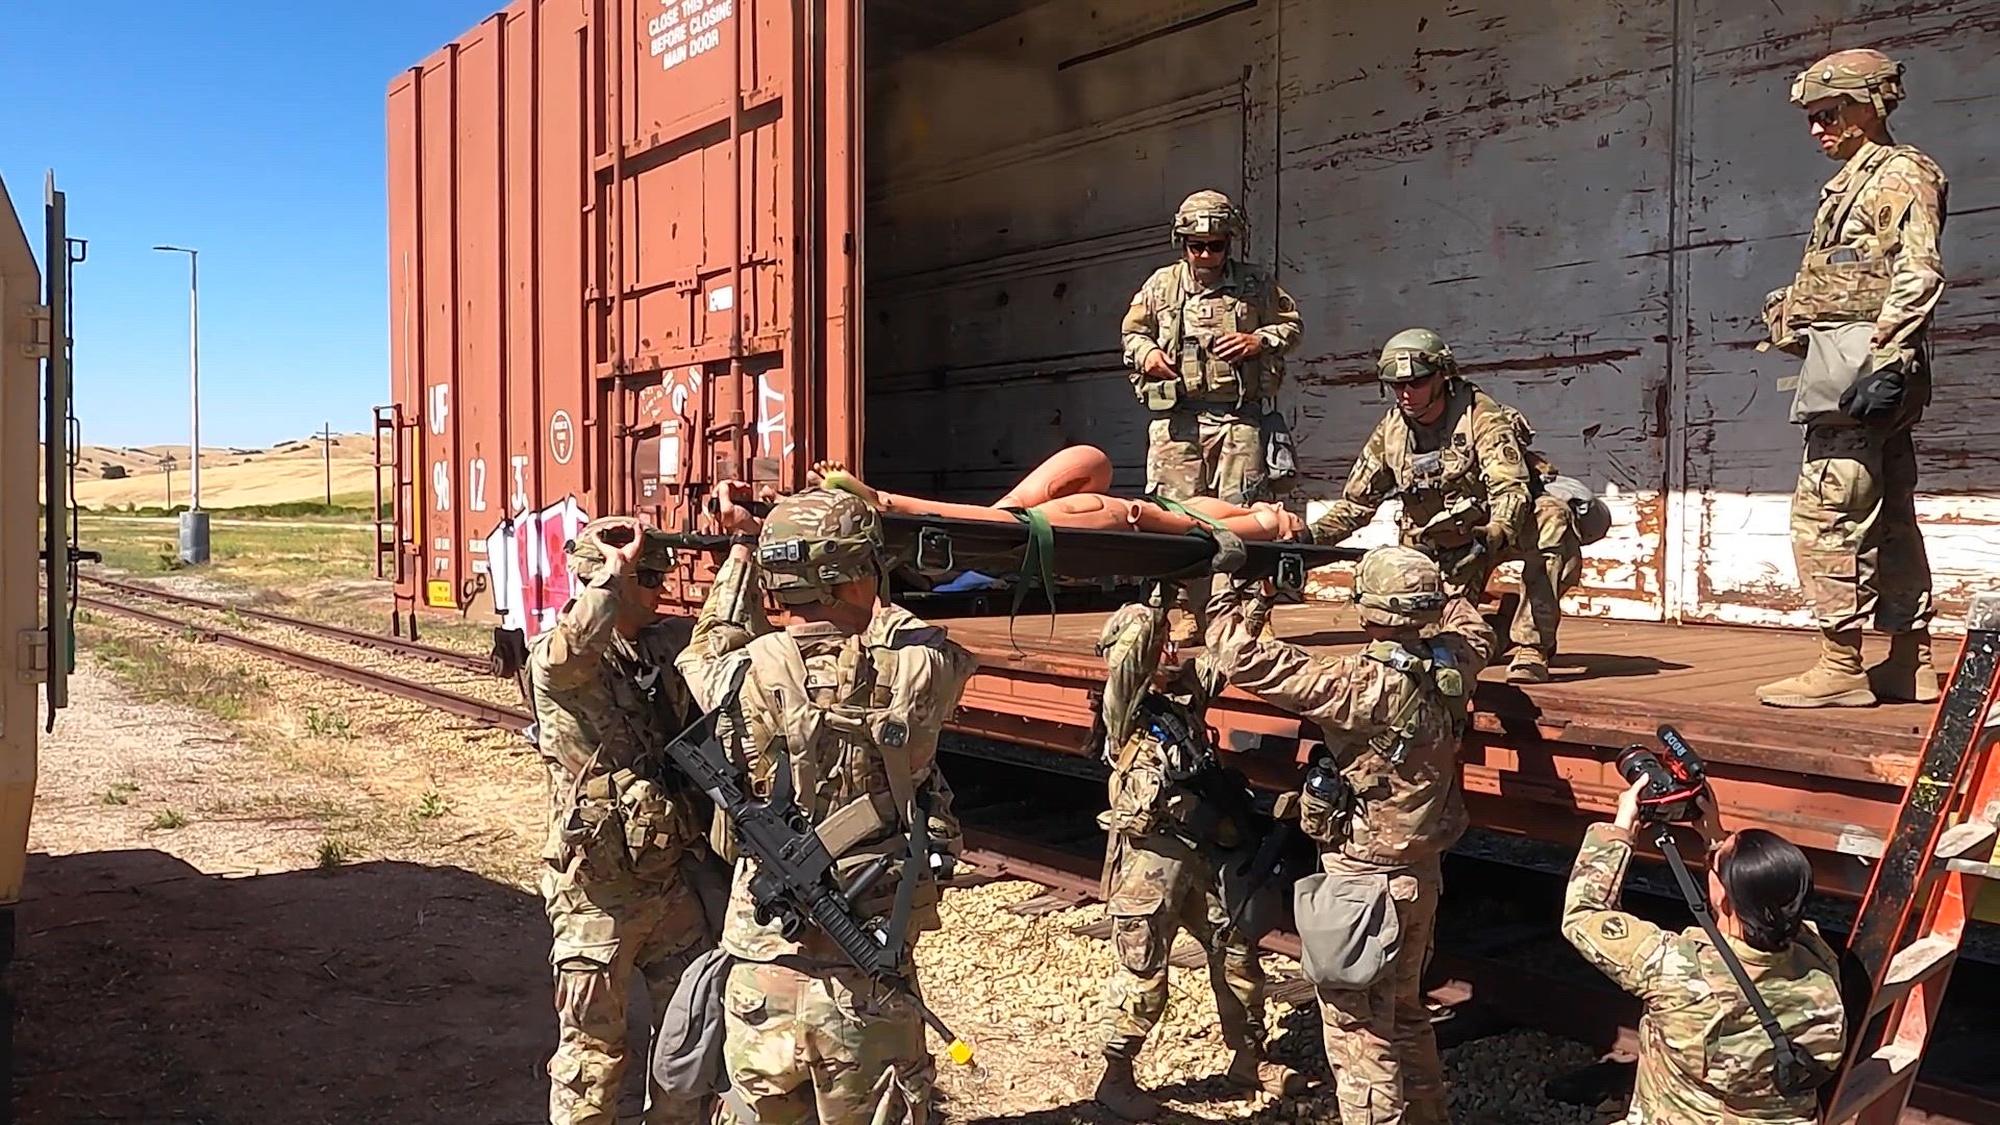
[[1165, 844], [619, 839], [1393, 716], [1703, 1056], [1871, 264], [1205, 341], [1471, 488], [855, 691]]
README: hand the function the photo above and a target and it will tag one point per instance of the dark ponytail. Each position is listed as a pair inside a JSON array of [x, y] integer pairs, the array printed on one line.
[[1767, 879]]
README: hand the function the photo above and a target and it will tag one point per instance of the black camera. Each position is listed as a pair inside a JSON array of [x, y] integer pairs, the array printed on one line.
[[1674, 779]]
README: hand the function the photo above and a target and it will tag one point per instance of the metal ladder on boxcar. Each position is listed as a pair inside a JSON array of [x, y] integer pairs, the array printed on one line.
[[1913, 917]]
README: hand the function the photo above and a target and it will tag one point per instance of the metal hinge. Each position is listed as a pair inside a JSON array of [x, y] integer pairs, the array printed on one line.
[[36, 346], [31, 656]]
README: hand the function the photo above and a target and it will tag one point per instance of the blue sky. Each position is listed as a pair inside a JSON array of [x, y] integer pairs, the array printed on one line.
[[252, 131]]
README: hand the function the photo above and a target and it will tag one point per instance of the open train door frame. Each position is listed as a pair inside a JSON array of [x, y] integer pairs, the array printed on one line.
[[37, 556]]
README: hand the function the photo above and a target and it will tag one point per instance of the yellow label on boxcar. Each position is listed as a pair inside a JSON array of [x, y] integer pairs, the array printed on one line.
[[437, 592]]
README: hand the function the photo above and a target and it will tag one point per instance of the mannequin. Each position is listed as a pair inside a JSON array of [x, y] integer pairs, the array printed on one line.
[[1068, 489]]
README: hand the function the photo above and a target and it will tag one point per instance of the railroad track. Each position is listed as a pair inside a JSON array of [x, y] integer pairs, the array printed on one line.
[[441, 699], [1486, 980], [356, 637]]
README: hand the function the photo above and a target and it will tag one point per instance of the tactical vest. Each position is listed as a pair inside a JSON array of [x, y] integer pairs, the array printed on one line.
[[1154, 784], [1189, 323], [1843, 283], [856, 760]]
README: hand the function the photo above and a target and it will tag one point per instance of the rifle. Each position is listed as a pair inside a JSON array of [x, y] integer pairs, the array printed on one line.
[[794, 879]]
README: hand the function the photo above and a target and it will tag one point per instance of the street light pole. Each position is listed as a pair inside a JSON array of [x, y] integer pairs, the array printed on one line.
[[194, 521]]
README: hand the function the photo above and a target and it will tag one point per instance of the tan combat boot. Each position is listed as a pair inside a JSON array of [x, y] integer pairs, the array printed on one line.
[[1907, 675], [1119, 1092], [1836, 681], [1528, 667], [1250, 1070]]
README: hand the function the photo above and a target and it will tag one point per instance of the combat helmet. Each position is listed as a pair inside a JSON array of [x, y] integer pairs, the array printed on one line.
[[586, 557], [1209, 213], [1415, 353], [1861, 75], [1398, 587], [816, 540]]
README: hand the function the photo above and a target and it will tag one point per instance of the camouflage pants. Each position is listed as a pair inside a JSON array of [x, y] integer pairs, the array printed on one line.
[[1193, 452], [1379, 1040], [604, 932], [823, 1045], [1157, 891], [1550, 569], [1854, 530]]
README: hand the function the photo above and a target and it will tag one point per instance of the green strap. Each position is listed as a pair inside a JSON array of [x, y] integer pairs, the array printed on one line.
[[1037, 564]]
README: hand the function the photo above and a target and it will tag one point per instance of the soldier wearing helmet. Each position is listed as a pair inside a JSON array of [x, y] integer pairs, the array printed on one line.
[[1383, 803], [1472, 491], [624, 853], [1205, 341], [1859, 313], [854, 692]]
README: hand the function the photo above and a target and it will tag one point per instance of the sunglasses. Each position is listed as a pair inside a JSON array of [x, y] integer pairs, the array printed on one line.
[[1825, 118], [651, 579], [1218, 247]]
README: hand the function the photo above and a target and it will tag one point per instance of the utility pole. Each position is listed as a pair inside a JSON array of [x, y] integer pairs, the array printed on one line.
[[194, 522], [326, 445], [167, 463]]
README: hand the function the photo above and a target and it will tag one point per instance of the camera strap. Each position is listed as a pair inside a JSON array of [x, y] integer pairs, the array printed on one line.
[[1796, 1073]]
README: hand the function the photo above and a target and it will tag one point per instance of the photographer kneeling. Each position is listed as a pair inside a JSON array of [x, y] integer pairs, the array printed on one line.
[[1706, 1053]]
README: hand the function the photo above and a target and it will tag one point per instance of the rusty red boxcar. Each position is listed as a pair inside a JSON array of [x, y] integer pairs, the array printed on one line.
[[638, 245]]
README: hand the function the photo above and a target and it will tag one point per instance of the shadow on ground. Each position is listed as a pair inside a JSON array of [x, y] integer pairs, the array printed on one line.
[[146, 990]]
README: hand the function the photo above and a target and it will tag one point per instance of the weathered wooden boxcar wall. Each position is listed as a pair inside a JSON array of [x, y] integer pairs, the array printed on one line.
[[1588, 198]]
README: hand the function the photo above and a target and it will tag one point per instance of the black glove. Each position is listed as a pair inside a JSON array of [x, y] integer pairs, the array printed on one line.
[[1876, 394]]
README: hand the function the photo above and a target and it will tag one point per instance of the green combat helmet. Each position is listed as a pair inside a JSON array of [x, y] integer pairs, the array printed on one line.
[[586, 558], [1861, 75], [816, 540], [1208, 213], [1415, 353], [1398, 587]]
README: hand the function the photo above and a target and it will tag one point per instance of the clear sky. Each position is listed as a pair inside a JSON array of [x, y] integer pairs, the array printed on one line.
[[251, 130]]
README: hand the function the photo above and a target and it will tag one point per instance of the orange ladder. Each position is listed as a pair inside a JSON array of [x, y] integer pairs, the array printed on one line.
[[1912, 919]]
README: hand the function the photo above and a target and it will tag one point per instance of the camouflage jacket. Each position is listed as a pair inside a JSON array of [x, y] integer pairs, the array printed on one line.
[[1884, 235], [829, 699], [1173, 312], [1702, 1054], [1482, 454], [591, 723], [1411, 807]]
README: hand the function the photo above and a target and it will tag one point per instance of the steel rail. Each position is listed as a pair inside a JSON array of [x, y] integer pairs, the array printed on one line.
[[356, 637], [437, 698]]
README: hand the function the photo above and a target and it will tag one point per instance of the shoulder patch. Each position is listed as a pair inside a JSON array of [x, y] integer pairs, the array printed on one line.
[[1613, 929]]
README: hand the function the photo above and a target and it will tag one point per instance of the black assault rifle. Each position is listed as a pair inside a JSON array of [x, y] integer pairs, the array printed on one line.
[[794, 879]]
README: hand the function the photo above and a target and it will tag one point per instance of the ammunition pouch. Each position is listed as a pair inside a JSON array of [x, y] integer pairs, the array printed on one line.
[[1160, 395], [1325, 820], [623, 825], [1838, 285]]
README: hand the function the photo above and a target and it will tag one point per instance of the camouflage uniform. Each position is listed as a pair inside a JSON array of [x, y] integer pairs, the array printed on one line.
[[807, 1037], [1205, 439], [1702, 1054], [1872, 258], [613, 885], [1482, 464], [1393, 734]]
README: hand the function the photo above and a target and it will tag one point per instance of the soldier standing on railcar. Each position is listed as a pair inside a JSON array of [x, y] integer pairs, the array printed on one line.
[[1205, 341], [1859, 311], [625, 841], [1384, 804]]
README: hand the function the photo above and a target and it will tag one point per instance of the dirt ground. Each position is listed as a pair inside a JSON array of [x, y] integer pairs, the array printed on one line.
[[259, 896]]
